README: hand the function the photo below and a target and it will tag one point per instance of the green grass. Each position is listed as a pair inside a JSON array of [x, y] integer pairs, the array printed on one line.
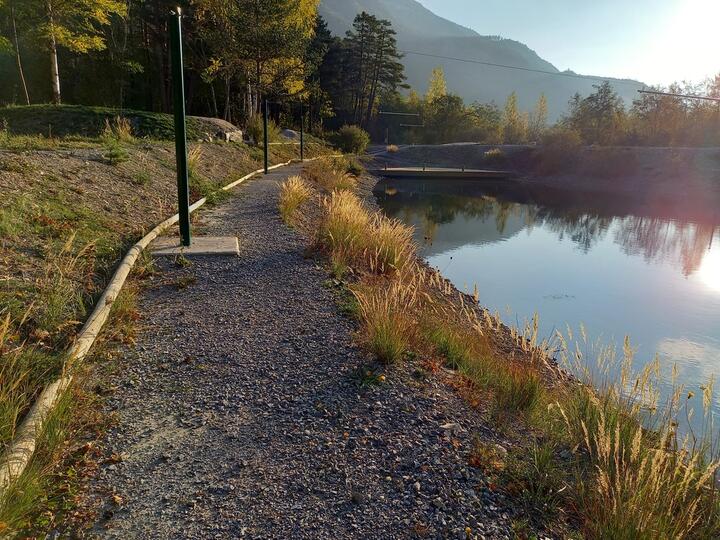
[[52, 121]]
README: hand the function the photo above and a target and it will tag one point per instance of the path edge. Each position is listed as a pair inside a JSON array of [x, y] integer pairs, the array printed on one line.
[[20, 451]]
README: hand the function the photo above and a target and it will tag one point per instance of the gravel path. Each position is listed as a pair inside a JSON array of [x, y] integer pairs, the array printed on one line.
[[239, 412]]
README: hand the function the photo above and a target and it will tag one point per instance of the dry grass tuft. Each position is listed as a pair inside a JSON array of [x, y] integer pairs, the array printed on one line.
[[293, 193], [330, 174], [120, 128], [393, 148], [390, 245], [385, 311]]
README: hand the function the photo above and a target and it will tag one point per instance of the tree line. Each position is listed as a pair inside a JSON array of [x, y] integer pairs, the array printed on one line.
[[239, 52]]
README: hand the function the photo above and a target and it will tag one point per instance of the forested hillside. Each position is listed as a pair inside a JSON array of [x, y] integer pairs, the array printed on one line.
[[422, 31]]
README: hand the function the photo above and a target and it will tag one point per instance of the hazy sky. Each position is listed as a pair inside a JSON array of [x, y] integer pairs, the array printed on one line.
[[655, 41]]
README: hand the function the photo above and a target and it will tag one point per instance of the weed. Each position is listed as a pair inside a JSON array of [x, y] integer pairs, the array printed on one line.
[[293, 193], [140, 178], [181, 261], [184, 282], [369, 377], [451, 346], [538, 481]]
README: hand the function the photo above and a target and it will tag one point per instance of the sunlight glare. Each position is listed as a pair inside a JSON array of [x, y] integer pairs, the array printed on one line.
[[709, 272]]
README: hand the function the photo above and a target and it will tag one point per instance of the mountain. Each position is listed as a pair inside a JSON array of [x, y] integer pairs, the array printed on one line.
[[421, 31]]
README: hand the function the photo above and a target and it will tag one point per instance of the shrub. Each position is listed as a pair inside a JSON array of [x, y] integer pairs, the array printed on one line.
[[293, 193], [352, 140], [254, 129]]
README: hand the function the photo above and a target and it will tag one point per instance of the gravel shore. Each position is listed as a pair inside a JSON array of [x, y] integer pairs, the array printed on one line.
[[240, 413]]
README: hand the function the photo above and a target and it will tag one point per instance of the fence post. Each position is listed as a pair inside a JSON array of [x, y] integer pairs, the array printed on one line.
[[302, 132], [175, 23], [265, 132]]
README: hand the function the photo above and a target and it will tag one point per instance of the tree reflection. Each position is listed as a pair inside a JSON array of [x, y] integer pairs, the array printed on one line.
[[653, 238]]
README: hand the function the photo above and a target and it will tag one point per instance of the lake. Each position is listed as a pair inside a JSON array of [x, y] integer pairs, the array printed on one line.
[[615, 266]]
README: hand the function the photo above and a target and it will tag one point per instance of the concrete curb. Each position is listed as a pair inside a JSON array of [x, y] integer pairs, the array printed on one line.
[[20, 451]]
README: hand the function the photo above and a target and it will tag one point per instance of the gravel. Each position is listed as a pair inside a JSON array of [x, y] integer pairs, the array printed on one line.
[[240, 414]]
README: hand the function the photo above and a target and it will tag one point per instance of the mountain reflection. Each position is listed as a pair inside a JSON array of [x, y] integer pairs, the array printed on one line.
[[467, 220]]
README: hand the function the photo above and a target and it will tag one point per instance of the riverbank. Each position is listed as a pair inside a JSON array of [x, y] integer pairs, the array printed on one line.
[[676, 182], [568, 438]]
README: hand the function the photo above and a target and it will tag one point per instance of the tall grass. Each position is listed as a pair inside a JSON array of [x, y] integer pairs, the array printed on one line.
[[293, 193], [648, 481], [331, 174], [386, 313]]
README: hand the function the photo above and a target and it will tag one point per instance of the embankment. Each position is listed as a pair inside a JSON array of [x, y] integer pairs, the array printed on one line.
[[680, 183]]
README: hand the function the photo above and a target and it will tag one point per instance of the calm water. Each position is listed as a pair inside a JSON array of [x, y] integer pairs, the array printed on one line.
[[621, 271]]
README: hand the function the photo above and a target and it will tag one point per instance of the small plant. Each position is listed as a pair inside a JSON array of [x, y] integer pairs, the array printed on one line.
[[293, 193], [352, 140], [540, 481], [194, 158], [184, 282], [140, 178], [181, 261], [115, 153], [451, 346], [369, 377], [393, 148]]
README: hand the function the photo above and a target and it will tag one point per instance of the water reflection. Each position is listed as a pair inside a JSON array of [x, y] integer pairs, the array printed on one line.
[[617, 266], [684, 243]]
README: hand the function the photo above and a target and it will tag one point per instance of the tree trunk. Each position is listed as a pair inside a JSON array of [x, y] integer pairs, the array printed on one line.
[[17, 56], [54, 70], [226, 115]]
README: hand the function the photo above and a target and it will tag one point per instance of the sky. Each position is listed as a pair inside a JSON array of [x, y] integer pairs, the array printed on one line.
[[654, 41]]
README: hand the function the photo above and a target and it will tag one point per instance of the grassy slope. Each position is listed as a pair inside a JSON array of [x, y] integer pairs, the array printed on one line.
[[85, 121], [68, 212]]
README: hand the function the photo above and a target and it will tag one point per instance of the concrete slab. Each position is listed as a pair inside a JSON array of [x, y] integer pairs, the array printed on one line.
[[200, 245]]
